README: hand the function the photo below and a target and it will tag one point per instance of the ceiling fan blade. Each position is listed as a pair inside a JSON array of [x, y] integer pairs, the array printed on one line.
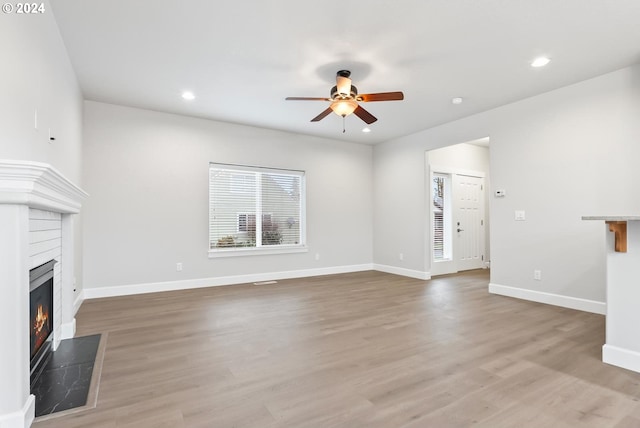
[[364, 115], [322, 115], [306, 99], [381, 96]]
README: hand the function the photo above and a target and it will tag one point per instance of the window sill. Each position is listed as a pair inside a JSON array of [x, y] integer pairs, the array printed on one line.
[[244, 251]]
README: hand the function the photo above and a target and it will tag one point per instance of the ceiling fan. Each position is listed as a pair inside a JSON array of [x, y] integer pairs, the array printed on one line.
[[344, 99]]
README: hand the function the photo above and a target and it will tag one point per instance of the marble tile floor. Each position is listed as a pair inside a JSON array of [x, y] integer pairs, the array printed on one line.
[[66, 379]]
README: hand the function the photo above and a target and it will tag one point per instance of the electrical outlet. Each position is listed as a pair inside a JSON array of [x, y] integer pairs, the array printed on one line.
[[178, 267], [519, 215], [317, 256], [537, 275], [401, 256]]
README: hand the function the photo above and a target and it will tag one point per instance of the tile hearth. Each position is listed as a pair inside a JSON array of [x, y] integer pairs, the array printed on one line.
[[66, 379]]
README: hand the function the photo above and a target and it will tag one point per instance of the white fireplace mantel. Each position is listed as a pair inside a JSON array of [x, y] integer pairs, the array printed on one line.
[[38, 185], [26, 185]]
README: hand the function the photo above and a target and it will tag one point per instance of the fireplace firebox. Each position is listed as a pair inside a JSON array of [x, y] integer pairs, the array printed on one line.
[[41, 316]]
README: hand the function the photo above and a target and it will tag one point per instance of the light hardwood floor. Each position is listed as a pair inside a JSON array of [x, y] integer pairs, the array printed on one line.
[[365, 349]]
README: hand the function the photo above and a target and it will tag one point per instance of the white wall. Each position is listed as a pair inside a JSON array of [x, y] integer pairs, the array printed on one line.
[[36, 74], [147, 174], [559, 155], [462, 156]]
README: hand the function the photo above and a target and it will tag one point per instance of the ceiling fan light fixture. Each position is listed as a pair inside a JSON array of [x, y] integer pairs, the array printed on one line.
[[344, 100], [344, 107], [343, 86]]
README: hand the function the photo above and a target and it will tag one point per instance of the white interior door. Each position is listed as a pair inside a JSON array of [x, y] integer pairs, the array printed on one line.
[[468, 222], [457, 221]]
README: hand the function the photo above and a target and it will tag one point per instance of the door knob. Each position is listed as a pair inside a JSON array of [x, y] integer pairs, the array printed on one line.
[[460, 230]]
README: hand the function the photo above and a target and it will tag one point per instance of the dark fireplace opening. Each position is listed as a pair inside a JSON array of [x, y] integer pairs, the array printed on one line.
[[40, 316]]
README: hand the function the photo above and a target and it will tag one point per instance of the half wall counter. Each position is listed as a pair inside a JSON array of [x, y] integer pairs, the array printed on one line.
[[622, 343]]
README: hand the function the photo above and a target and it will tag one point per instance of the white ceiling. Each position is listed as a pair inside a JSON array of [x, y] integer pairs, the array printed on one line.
[[242, 58]]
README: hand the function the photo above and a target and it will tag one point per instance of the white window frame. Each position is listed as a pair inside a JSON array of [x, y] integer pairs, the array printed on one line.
[[265, 249]]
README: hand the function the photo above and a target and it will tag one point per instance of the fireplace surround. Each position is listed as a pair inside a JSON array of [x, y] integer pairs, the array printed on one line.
[[27, 188]]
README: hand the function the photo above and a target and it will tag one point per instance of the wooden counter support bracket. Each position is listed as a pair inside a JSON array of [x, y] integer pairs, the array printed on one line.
[[619, 228]]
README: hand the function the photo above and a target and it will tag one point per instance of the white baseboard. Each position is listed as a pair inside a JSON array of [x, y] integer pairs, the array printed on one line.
[[417, 274], [621, 357], [22, 418], [68, 330], [550, 299], [78, 302], [126, 290]]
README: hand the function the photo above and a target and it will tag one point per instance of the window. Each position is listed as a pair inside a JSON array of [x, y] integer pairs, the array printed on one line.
[[247, 222], [441, 206], [255, 209], [244, 220], [241, 183]]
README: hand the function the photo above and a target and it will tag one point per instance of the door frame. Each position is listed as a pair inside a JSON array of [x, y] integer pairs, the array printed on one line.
[[442, 267]]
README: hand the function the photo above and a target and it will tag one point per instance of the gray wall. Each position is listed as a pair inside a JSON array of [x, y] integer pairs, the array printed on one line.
[[560, 155], [36, 74], [147, 174]]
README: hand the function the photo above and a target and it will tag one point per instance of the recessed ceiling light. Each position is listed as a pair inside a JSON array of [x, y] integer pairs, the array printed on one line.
[[456, 100], [366, 130], [188, 95], [540, 61]]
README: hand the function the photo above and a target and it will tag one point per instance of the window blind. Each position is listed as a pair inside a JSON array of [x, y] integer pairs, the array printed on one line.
[[254, 207], [438, 217]]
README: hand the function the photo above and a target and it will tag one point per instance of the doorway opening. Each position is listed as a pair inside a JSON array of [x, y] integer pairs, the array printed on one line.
[[459, 212]]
